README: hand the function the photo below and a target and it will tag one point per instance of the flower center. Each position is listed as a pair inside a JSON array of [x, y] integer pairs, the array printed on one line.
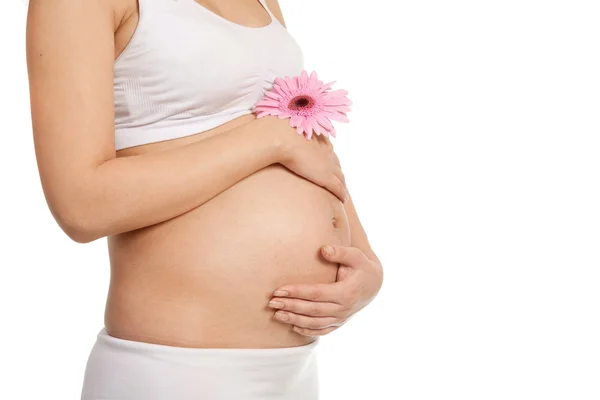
[[301, 102]]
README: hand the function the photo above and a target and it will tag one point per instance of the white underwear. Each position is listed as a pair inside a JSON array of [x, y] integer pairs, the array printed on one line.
[[119, 369]]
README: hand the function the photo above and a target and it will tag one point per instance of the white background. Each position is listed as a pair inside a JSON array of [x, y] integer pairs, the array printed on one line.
[[473, 156]]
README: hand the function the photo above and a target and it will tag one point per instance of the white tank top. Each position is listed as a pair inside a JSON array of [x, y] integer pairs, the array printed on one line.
[[187, 70]]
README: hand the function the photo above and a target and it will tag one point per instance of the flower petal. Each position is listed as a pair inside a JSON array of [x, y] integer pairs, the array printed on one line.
[[293, 84], [336, 102], [269, 112], [313, 81], [286, 85], [326, 86], [261, 109], [306, 125], [279, 90], [303, 78], [273, 95], [323, 121], [267, 102], [337, 93], [337, 117], [296, 120]]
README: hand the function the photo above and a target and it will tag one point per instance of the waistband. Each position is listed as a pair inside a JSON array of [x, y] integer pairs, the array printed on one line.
[[127, 369], [250, 355]]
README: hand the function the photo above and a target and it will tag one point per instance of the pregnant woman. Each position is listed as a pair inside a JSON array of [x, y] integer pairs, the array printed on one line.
[[233, 241]]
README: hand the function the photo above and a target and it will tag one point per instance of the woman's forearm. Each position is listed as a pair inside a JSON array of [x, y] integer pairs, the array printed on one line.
[[128, 193]]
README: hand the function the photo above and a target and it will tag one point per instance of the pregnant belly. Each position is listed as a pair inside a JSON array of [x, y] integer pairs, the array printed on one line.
[[204, 279]]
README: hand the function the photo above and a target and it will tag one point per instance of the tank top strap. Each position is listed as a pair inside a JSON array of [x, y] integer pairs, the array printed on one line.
[[264, 4]]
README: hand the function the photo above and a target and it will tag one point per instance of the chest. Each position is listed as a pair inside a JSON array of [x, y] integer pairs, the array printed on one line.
[[192, 53]]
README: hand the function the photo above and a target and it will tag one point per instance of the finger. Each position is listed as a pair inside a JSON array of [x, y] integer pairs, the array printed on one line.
[[304, 307], [336, 160], [337, 187], [351, 256], [306, 322], [337, 171], [325, 141], [314, 332], [322, 292]]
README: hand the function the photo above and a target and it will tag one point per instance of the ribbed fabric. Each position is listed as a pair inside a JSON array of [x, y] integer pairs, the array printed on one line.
[[187, 70]]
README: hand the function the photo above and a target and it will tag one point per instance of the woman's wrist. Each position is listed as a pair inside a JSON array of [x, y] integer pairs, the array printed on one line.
[[271, 134]]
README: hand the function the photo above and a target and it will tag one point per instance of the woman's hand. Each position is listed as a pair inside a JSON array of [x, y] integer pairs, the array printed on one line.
[[318, 309], [312, 159]]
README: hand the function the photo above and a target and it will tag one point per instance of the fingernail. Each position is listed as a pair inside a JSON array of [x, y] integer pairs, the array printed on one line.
[[281, 316], [275, 304], [328, 250], [346, 197], [280, 293]]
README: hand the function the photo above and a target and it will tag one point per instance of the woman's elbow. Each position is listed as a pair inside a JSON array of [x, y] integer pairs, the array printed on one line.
[[80, 235], [80, 226]]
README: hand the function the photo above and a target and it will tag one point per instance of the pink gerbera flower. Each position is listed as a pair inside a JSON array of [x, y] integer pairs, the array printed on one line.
[[307, 102]]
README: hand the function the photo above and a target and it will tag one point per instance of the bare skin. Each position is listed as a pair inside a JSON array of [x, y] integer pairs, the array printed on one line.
[[201, 229]]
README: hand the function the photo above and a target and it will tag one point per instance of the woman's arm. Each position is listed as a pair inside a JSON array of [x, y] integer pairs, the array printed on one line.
[[90, 192]]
